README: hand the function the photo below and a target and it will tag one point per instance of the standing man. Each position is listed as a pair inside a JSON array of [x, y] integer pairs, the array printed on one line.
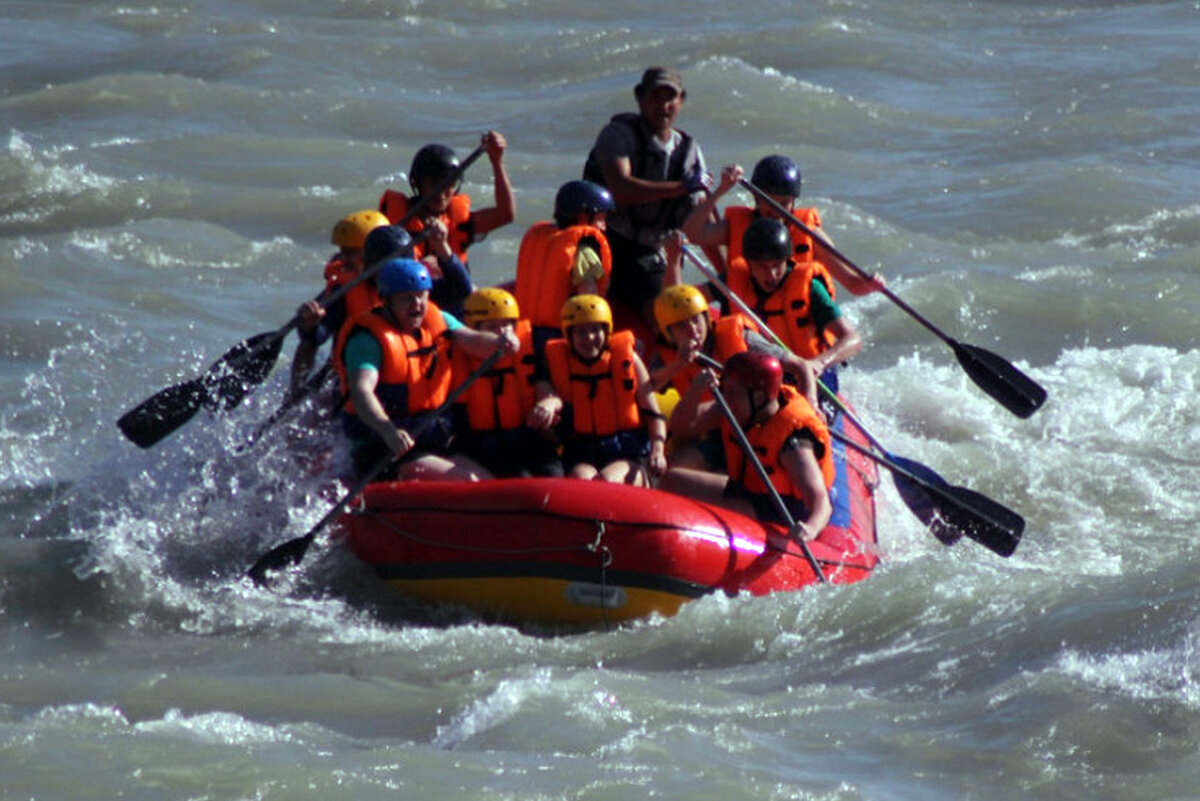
[[656, 175]]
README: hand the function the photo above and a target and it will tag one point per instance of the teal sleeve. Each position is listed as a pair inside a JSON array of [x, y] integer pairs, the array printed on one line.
[[824, 310], [452, 322], [363, 352]]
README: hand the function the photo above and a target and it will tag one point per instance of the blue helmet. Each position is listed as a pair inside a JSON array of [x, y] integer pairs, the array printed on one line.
[[387, 242], [575, 197], [777, 175], [403, 275]]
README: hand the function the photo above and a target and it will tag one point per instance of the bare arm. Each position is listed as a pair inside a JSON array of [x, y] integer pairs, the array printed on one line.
[[505, 210], [800, 462], [371, 412], [705, 226]]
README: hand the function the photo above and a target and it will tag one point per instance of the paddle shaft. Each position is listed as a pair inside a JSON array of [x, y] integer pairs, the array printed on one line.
[[776, 499], [292, 551]]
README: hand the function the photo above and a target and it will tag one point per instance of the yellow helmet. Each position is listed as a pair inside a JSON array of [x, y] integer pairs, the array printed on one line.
[[351, 231], [586, 309], [489, 303], [678, 303]]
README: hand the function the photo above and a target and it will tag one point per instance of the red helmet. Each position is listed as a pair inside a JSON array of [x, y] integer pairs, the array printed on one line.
[[757, 370]]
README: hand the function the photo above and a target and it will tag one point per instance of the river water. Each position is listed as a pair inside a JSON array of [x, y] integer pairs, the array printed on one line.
[[1027, 175]]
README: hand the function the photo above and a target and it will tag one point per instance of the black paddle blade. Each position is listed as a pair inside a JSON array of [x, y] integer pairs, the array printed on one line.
[[993, 526], [224, 385], [996, 376], [920, 500], [280, 557], [156, 417]]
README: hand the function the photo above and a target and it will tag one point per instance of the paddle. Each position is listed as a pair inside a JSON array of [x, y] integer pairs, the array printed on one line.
[[292, 551], [960, 510], [247, 364], [913, 480], [995, 375], [752, 457]]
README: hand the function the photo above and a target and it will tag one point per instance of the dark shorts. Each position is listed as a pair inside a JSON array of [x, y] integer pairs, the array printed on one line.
[[367, 449], [602, 451], [764, 505], [637, 272], [517, 453]]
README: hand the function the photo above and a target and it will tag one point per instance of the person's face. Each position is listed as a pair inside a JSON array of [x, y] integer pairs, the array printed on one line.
[[352, 258], [440, 202], [690, 332], [588, 340], [660, 106], [737, 395], [496, 326], [768, 274], [598, 220], [765, 209], [409, 309]]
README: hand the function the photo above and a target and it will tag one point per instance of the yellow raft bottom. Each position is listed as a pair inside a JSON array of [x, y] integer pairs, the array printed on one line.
[[544, 600]]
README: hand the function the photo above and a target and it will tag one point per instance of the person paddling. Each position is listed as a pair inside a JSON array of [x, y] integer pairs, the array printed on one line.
[[448, 226], [394, 364], [779, 177], [783, 429]]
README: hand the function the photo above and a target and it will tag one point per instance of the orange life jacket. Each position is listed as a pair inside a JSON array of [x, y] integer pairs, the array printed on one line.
[[726, 337], [394, 205], [361, 298], [788, 310], [502, 398], [544, 269], [602, 395], [739, 218], [768, 438], [415, 375]]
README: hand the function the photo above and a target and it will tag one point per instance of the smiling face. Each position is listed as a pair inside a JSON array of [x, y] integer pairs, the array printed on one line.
[[660, 106], [588, 340], [409, 309]]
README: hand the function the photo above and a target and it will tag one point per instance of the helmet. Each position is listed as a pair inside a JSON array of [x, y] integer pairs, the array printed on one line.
[[675, 304], [351, 231], [586, 309], [403, 275], [777, 175], [385, 242], [489, 303], [766, 239], [431, 161], [757, 370], [580, 196]]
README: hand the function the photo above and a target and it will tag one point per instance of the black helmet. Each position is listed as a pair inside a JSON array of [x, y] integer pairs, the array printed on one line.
[[766, 239], [580, 196], [777, 175], [431, 161], [387, 242]]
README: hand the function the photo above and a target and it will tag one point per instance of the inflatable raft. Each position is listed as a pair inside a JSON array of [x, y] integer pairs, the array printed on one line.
[[566, 551]]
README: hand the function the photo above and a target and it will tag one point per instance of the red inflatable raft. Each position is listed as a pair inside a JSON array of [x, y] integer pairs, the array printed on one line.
[[564, 551]]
